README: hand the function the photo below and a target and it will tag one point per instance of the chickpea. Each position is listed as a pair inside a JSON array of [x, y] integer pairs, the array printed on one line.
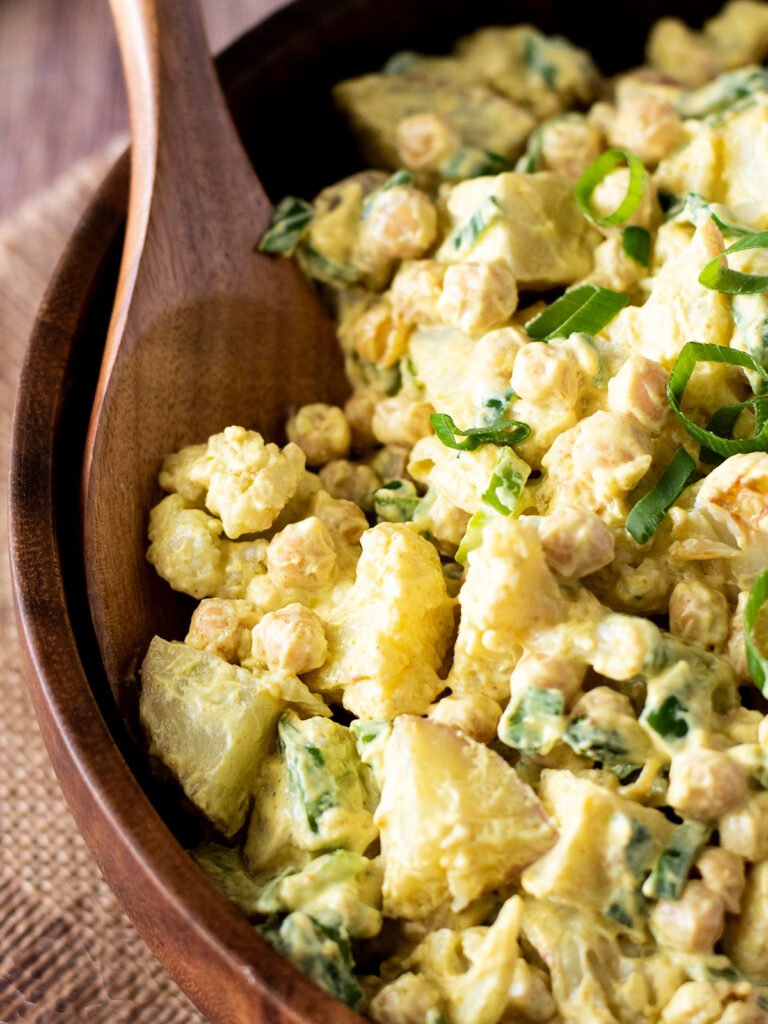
[[391, 462], [695, 1002], [302, 555], [603, 702], [744, 830], [545, 374], [477, 297], [613, 269], [220, 626], [343, 519], [475, 714], [416, 290], [359, 409], [548, 672], [692, 924], [640, 389], [425, 141], [569, 145], [321, 431], [402, 419], [350, 480], [407, 1000], [705, 784], [291, 639], [699, 614], [495, 352], [378, 337], [722, 871], [647, 126], [743, 1013], [576, 542], [612, 452], [623, 643], [401, 224], [682, 53]]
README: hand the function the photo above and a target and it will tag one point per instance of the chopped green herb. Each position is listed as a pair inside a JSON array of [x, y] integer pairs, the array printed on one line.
[[636, 243], [289, 223], [503, 432], [317, 266], [535, 57], [506, 484], [535, 723], [721, 278], [757, 661], [597, 171], [646, 516], [395, 502], [585, 737], [669, 719], [586, 309], [473, 162], [465, 236], [670, 872], [695, 209], [723, 420]]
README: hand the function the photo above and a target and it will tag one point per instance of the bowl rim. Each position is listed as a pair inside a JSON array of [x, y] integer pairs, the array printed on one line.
[[225, 968]]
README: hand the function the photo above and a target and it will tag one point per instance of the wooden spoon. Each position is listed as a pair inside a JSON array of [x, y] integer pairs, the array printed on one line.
[[205, 331]]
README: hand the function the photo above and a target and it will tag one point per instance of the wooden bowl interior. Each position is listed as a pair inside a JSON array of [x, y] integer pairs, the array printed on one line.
[[277, 80]]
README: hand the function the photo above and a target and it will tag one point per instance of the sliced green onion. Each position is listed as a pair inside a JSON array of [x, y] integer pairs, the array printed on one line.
[[597, 171], [507, 483], [504, 432], [289, 222], [534, 724], [733, 282], [395, 502], [694, 208], [646, 516], [670, 872], [757, 661], [699, 352], [583, 310], [534, 56], [473, 162], [317, 265], [636, 243], [473, 535], [530, 161], [465, 236]]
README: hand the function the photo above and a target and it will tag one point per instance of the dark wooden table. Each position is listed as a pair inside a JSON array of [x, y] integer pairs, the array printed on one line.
[[61, 90]]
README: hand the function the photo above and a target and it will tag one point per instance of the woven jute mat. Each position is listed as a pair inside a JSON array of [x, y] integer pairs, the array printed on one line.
[[68, 954]]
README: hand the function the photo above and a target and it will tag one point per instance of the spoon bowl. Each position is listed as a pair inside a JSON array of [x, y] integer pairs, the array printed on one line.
[[205, 331]]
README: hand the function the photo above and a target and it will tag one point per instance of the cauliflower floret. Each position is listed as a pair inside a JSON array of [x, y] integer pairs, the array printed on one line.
[[248, 482], [174, 474], [477, 297], [455, 820], [291, 639], [222, 627], [185, 547], [321, 431], [402, 419], [679, 308], [388, 638]]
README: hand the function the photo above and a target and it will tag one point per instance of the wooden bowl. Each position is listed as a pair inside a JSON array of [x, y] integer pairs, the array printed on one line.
[[277, 79]]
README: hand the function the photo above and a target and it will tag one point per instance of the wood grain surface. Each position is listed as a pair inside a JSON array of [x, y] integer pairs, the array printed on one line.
[[61, 87]]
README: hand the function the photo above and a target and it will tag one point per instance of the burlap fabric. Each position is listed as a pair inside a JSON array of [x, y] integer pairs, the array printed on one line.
[[68, 954]]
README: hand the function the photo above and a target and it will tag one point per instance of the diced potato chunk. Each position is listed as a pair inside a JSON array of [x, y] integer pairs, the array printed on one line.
[[388, 640], [537, 228], [455, 820], [211, 723]]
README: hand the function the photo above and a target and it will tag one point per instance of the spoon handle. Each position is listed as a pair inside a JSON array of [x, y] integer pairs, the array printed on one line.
[[186, 155]]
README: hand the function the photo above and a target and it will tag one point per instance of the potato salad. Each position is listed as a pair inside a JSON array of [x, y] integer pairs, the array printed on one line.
[[472, 700]]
